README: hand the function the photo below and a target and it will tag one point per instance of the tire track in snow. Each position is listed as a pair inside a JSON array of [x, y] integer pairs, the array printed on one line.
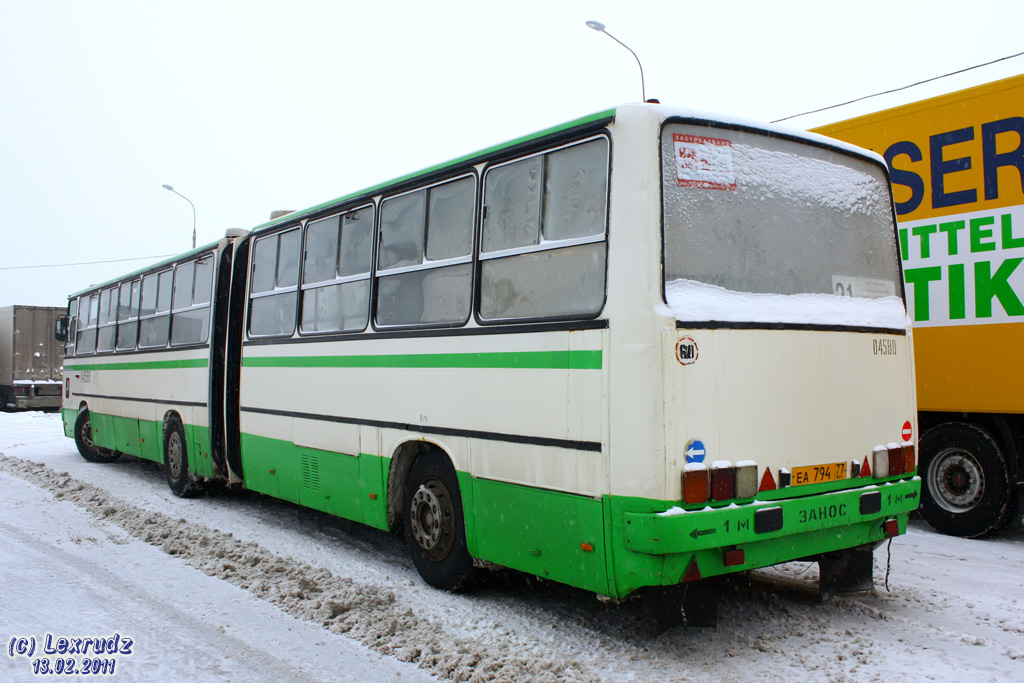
[[343, 605]]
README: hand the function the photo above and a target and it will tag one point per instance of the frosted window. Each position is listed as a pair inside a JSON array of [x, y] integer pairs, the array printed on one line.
[[550, 283], [512, 204], [163, 296], [204, 281], [575, 187], [432, 296], [336, 308], [288, 260], [450, 220], [356, 243], [768, 215], [149, 287], [272, 315], [183, 283], [153, 332], [320, 262], [264, 264], [401, 230]]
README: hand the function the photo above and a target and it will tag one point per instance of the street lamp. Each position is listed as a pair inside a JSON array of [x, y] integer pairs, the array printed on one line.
[[168, 187], [599, 27]]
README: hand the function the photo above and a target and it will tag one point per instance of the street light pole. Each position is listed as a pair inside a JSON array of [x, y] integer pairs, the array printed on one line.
[[599, 27], [168, 187]]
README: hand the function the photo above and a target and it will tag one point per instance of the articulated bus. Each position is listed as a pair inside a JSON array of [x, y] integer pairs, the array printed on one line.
[[629, 353]]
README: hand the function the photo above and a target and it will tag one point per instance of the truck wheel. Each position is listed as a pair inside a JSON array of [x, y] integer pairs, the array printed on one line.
[[966, 481], [176, 460], [83, 439], [435, 530]]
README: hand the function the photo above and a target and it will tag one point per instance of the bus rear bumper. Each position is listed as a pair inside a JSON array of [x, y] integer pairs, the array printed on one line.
[[864, 510]]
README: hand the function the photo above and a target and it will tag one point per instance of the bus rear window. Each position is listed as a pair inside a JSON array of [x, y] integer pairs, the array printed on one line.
[[745, 212]]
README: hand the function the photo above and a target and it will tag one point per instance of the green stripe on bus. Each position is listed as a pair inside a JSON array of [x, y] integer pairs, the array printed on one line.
[[574, 360], [144, 365]]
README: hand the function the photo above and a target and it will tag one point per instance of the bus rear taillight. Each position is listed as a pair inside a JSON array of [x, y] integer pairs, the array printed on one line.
[[696, 485], [909, 458], [723, 480], [895, 459], [880, 462], [746, 479]]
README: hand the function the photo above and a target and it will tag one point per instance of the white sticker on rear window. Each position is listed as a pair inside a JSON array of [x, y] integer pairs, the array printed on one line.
[[704, 162]]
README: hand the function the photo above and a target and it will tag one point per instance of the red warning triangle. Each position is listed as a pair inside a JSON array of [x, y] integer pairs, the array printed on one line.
[[767, 481], [692, 572], [865, 469]]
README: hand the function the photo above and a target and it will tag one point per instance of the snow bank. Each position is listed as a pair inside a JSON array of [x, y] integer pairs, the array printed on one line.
[[696, 301], [362, 611]]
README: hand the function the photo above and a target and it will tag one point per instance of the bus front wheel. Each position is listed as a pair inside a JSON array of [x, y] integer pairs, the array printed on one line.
[[966, 481], [435, 530], [176, 460], [83, 440]]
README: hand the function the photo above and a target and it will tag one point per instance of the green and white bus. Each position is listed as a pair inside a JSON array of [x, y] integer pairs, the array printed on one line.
[[628, 353]]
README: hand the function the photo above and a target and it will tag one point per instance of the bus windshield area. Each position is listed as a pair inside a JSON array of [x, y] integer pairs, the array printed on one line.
[[762, 228]]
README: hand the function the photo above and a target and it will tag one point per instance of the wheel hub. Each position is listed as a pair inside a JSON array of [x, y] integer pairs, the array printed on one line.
[[432, 519], [957, 480], [174, 455]]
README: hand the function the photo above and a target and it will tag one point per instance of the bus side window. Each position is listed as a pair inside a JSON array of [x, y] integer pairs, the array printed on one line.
[[542, 247], [85, 341], [272, 295], [336, 272], [69, 345], [190, 308], [424, 266], [154, 318], [107, 321], [128, 315]]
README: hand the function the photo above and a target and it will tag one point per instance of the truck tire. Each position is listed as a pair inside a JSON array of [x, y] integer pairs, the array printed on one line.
[[966, 480], [83, 440], [435, 529]]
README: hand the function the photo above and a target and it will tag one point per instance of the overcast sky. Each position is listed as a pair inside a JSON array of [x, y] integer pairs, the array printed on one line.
[[247, 107]]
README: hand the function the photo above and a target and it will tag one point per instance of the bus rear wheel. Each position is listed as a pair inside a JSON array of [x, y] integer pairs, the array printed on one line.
[[176, 460], [435, 530], [966, 481], [83, 440]]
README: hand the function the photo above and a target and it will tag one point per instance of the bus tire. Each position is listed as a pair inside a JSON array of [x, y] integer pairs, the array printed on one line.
[[966, 478], [176, 460], [83, 440], [434, 525]]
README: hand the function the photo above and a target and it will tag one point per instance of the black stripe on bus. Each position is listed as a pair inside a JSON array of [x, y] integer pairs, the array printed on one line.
[[162, 401], [562, 326], [723, 325], [442, 431]]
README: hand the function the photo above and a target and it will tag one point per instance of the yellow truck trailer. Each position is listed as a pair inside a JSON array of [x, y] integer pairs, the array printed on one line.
[[956, 164]]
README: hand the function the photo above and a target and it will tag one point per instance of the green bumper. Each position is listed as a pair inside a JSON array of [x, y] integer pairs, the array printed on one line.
[[666, 549]]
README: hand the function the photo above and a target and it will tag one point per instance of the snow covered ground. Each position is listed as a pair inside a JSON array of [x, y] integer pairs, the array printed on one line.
[[238, 587]]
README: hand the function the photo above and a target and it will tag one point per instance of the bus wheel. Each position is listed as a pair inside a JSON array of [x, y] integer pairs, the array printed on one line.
[[83, 439], [966, 481], [176, 460], [435, 530]]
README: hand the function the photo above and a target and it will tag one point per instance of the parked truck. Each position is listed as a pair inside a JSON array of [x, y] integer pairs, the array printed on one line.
[[957, 168], [31, 359]]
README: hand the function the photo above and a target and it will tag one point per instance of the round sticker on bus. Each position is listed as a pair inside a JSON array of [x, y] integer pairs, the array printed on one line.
[[686, 351]]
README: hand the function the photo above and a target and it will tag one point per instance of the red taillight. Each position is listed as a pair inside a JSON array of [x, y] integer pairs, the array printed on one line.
[[723, 481], [895, 459], [733, 557], [892, 528], [695, 483], [909, 458]]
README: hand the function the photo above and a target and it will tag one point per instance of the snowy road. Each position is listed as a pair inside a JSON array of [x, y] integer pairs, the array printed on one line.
[[235, 586]]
